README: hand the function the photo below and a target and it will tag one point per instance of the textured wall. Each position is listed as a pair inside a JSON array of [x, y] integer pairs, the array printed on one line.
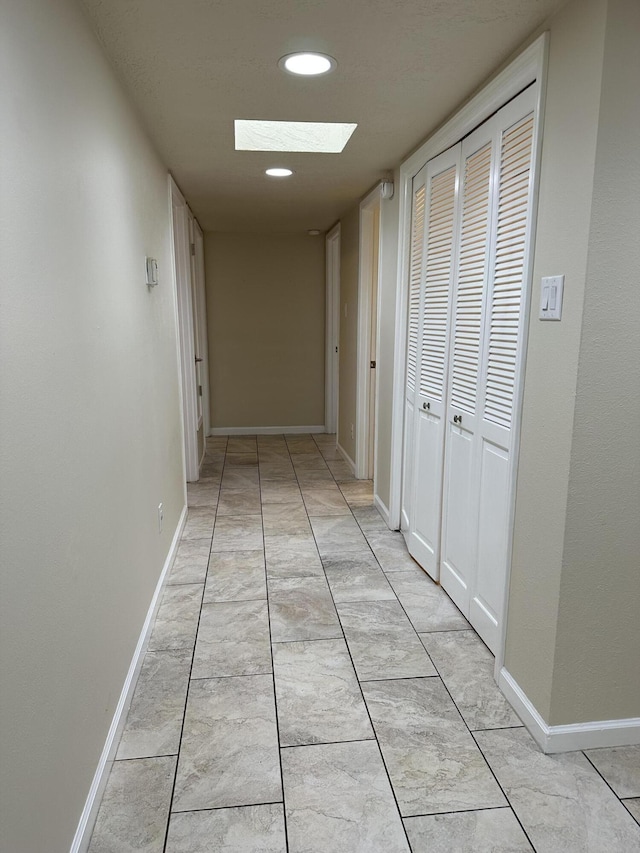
[[89, 418], [265, 307], [596, 673], [562, 242]]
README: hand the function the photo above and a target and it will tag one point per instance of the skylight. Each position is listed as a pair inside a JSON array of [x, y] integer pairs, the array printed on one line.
[[298, 136]]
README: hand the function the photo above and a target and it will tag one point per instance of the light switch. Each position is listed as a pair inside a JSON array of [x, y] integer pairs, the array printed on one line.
[[551, 291], [152, 271]]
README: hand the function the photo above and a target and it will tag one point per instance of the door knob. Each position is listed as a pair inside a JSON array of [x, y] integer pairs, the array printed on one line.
[[198, 359], [426, 405], [457, 419]]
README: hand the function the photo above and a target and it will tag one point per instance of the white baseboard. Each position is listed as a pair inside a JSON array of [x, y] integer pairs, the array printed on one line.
[[346, 457], [90, 811], [382, 508], [571, 737], [275, 430]]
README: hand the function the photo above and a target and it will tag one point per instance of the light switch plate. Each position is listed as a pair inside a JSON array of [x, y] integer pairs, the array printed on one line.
[[152, 271], [551, 291]]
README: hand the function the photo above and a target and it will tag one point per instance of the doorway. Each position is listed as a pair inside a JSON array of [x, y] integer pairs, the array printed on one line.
[[471, 229]]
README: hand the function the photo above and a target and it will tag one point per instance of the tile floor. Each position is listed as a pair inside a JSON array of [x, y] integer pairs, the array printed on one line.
[[308, 688]]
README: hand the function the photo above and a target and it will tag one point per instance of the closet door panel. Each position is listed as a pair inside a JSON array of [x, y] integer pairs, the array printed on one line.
[[489, 585], [457, 547], [433, 353], [460, 497], [502, 360]]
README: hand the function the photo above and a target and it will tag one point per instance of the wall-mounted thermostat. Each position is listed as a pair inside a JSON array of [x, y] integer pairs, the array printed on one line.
[[551, 297], [152, 272]]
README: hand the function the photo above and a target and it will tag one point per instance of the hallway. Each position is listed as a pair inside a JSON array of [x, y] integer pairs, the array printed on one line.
[[388, 732]]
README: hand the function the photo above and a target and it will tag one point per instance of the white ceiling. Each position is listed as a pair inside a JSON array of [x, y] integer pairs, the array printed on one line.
[[193, 66]]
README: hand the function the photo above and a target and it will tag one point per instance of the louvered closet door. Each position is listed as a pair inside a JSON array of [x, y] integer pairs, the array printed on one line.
[[432, 354], [460, 510], [415, 279], [503, 360]]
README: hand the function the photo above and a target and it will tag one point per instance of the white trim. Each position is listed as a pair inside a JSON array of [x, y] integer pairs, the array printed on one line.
[[332, 328], [593, 735], [267, 430], [524, 70], [346, 458], [382, 508], [82, 836], [365, 310]]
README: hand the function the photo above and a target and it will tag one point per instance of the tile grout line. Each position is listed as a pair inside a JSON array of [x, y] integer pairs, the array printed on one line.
[[466, 724], [273, 668], [504, 793], [224, 808], [193, 654], [456, 707], [460, 811], [584, 752], [327, 742], [366, 707]]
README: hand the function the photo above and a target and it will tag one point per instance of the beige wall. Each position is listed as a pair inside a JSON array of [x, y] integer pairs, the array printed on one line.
[[572, 637], [562, 240], [90, 428], [347, 383], [266, 315], [597, 663]]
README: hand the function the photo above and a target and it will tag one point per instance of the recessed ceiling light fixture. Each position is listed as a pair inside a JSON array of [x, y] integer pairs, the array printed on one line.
[[307, 64], [314, 232], [279, 173], [299, 136]]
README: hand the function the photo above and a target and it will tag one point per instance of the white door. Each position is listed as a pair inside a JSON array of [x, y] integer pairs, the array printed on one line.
[[503, 362], [198, 346], [332, 328], [459, 518], [471, 228], [373, 340], [441, 182], [487, 334], [181, 253], [203, 338]]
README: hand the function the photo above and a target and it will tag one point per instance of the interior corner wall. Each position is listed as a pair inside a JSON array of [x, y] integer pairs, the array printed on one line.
[[596, 672], [389, 216], [347, 380], [266, 316], [551, 373], [90, 426]]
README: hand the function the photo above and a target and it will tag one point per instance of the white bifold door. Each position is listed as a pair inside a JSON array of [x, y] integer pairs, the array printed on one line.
[[470, 242]]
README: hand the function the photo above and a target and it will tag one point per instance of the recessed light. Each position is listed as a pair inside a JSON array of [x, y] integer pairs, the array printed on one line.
[[313, 232], [307, 64], [278, 173], [298, 136]]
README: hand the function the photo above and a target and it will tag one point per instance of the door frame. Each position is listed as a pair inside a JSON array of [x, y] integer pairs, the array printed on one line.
[[527, 68], [181, 254], [332, 329], [201, 295], [366, 309]]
